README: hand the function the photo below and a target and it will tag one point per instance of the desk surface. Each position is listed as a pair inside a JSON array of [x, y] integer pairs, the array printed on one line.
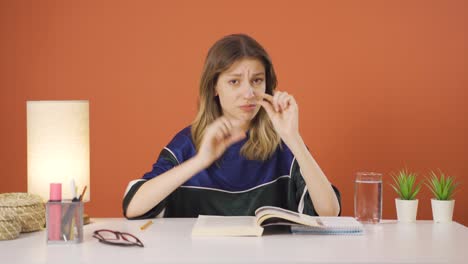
[[170, 241]]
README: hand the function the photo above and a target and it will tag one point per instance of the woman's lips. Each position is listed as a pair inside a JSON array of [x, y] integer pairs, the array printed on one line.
[[248, 107]]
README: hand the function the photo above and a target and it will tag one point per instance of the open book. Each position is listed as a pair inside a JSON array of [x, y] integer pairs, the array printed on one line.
[[210, 225]]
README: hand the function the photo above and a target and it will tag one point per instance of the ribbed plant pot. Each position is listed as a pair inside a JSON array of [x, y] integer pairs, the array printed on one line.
[[406, 210], [442, 210]]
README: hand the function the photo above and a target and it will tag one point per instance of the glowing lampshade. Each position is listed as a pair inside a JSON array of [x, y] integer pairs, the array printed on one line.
[[58, 146]]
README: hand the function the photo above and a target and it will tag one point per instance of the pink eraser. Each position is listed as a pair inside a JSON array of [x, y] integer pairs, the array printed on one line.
[[55, 192]]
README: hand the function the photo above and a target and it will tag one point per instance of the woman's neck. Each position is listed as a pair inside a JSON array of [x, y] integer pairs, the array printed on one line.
[[245, 126]]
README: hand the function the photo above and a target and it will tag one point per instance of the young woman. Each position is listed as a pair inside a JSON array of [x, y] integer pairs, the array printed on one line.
[[243, 150]]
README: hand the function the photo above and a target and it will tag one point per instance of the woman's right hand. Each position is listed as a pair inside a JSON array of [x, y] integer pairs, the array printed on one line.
[[218, 136]]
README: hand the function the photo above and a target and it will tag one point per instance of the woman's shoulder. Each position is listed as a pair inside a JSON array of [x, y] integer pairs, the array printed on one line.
[[185, 133], [284, 150], [182, 144], [183, 137], [285, 155]]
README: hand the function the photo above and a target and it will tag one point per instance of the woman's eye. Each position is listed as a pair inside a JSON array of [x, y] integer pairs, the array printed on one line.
[[233, 82], [258, 81]]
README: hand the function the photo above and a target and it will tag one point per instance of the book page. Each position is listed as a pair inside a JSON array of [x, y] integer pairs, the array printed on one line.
[[270, 215]]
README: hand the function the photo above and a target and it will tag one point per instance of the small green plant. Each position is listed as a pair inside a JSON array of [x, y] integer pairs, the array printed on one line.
[[405, 185], [441, 186]]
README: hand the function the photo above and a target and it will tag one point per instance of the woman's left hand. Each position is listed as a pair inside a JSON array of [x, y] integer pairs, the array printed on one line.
[[283, 112]]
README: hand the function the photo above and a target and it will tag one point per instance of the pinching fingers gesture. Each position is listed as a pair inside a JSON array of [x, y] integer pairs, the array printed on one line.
[[283, 112], [218, 136]]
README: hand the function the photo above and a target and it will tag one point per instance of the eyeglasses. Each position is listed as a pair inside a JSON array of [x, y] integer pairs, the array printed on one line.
[[117, 238]]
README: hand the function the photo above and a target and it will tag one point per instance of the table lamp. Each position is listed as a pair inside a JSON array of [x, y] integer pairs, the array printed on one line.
[[58, 147]]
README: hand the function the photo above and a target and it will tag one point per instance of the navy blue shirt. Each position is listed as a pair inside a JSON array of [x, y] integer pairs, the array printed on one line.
[[233, 185]]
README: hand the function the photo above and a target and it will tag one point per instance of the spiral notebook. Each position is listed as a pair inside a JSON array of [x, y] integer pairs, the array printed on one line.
[[342, 225]]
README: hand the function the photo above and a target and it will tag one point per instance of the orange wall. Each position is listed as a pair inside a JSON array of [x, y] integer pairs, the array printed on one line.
[[380, 84]]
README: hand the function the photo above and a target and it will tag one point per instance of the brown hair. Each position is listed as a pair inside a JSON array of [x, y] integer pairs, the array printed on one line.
[[263, 139]]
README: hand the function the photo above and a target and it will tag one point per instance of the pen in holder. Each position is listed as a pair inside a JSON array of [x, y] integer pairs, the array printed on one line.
[[67, 229]]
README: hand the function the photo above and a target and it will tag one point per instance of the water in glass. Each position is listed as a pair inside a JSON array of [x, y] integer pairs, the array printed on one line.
[[368, 197]]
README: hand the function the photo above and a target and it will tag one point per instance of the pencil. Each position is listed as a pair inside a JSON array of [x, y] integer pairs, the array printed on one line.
[[83, 192], [143, 227]]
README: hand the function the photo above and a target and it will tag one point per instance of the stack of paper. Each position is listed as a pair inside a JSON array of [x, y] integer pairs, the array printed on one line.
[[331, 226]]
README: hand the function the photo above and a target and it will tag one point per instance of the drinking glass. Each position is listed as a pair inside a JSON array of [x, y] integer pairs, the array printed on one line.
[[368, 197]]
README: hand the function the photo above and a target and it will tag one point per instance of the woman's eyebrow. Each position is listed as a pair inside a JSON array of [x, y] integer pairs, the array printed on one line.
[[235, 74], [240, 74]]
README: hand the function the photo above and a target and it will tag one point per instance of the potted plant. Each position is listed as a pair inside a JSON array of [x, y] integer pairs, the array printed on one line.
[[443, 189], [407, 189]]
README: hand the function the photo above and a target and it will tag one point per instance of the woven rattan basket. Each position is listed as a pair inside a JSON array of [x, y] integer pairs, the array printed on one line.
[[10, 227], [28, 208]]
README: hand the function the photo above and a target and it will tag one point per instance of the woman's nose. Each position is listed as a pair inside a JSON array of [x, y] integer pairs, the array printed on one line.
[[250, 92]]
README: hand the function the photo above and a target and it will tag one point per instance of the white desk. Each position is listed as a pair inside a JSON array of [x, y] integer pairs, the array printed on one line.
[[169, 241]]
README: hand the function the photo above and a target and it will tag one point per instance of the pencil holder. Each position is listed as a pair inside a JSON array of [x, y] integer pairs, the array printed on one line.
[[64, 221]]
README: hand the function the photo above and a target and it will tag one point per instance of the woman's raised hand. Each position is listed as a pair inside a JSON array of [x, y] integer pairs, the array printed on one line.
[[283, 112], [218, 136]]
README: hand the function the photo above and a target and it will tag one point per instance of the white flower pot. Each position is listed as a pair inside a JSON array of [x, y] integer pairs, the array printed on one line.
[[442, 211], [406, 210]]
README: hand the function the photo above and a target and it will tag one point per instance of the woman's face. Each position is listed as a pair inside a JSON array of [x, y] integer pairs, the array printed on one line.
[[237, 88]]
